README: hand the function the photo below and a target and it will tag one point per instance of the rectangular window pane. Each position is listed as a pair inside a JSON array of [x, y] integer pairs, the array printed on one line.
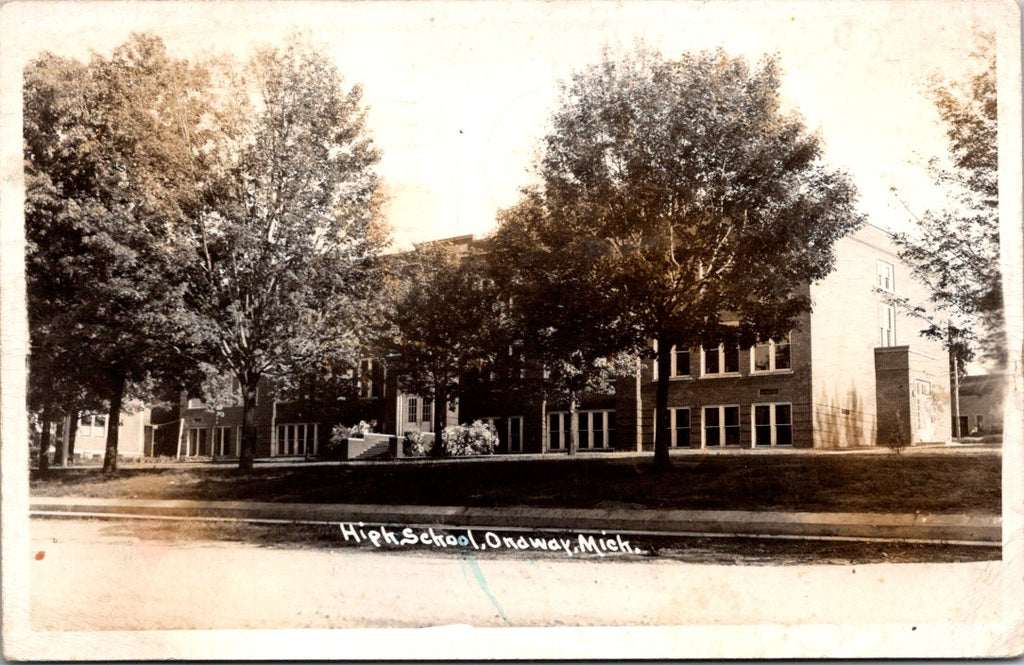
[[584, 419], [762, 358], [732, 359], [515, 426], [598, 431], [554, 440], [712, 435], [782, 354], [732, 425], [762, 425], [413, 415], [682, 428], [682, 362], [783, 425], [711, 360]]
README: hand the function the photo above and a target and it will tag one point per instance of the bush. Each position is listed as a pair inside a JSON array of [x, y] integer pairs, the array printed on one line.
[[417, 444], [475, 439], [342, 432]]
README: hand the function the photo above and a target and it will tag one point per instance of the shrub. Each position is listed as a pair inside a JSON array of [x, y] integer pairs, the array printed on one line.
[[416, 444], [475, 439]]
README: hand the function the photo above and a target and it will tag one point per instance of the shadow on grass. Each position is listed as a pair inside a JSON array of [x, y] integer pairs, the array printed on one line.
[[872, 483]]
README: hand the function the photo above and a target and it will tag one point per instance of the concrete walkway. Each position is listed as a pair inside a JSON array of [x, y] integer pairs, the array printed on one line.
[[272, 462], [963, 529]]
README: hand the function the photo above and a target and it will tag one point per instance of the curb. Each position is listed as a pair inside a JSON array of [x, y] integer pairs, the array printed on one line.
[[968, 529]]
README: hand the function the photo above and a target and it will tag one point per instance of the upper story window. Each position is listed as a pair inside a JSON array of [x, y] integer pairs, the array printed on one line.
[[367, 386], [679, 362], [771, 356], [720, 360], [885, 277], [413, 410], [886, 325], [196, 403]]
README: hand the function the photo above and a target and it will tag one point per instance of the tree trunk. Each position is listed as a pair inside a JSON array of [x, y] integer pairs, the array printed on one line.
[[574, 423], [117, 387], [954, 373], [545, 435], [440, 419], [44, 442], [72, 434], [248, 450], [60, 448], [661, 424]]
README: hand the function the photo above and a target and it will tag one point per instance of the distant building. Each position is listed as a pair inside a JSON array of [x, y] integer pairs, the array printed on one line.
[[134, 438], [981, 404]]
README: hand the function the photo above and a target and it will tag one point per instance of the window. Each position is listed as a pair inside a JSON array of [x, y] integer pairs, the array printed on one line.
[[596, 429], [92, 425], [771, 356], [428, 414], [720, 360], [198, 443], [296, 439], [680, 422], [413, 411], [367, 386], [721, 426], [979, 423], [680, 361], [885, 277], [886, 325], [515, 434], [195, 403], [225, 441], [773, 425], [556, 431]]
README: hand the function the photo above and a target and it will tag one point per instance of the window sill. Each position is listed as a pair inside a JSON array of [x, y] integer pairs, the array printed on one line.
[[676, 378], [771, 372], [724, 375]]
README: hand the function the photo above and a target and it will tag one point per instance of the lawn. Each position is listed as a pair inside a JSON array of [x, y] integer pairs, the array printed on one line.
[[940, 483]]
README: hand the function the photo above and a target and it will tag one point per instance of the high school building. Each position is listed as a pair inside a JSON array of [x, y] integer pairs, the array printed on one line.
[[853, 372]]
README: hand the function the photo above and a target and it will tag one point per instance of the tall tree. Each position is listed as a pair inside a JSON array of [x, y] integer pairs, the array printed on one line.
[[105, 165], [705, 204], [955, 249], [442, 324], [563, 311], [281, 253]]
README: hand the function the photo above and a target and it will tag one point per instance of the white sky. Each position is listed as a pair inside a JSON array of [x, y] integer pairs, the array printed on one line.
[[460, 92]]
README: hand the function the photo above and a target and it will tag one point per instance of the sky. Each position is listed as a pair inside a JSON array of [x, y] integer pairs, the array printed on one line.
[[461, 92]]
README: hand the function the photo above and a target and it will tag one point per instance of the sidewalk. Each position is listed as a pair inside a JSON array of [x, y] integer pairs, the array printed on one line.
[[964, 529], [682, 453]]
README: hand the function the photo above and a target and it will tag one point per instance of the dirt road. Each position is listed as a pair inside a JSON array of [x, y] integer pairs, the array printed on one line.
[[111, 575]]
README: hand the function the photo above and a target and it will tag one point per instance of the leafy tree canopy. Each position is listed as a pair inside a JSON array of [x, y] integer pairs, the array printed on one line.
[[280, 254], [106, 180], [955, 249], [699, 205]]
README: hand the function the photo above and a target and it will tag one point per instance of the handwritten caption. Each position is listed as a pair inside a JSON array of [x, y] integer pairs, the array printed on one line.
[[380, 536]]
